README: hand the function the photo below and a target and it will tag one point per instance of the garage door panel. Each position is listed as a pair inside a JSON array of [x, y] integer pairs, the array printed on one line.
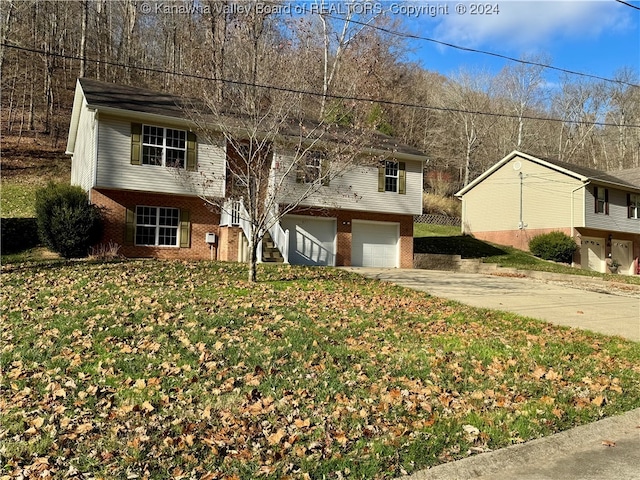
[[311, 241], [592, 254], [375, 244]]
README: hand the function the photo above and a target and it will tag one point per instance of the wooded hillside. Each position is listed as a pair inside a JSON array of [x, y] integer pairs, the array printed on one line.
[[351, 64]]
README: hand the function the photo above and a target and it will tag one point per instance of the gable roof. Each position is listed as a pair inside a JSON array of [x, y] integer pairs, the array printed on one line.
[[584, 174], [110, 97]]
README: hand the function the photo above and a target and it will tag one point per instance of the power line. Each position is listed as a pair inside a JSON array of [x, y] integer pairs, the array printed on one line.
[[628, 4], [492, 54], [314, 94]]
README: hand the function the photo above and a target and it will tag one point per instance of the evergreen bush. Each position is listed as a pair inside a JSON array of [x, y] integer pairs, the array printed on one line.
[[554, 246], [67, 223]]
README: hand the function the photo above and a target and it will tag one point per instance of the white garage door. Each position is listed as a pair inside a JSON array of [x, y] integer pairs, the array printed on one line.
[[375, 244], [592, 254], [312, 241]]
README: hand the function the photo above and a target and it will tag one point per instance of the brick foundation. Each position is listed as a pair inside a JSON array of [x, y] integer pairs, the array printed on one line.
[[116, 202], [203, 220], [344, 220]]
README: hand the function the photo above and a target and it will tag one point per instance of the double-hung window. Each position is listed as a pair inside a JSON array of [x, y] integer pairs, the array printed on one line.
[[601, 196], [313, 168], [157, 226], [392, 177], [164, 146], [633, 205]]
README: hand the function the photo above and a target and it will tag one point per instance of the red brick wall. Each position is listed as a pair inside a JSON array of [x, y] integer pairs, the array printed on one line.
[[516, 238], [203, 220], [116, 202]]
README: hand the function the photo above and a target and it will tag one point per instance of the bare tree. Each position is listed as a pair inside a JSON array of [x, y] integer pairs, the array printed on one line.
[[277, 161], [522, 85], [467, 96]]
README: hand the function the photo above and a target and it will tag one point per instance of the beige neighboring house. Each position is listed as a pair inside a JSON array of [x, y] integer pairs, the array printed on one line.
[[522, 196]]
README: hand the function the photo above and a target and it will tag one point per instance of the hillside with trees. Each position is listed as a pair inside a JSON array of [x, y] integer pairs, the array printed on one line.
[[348, 68]]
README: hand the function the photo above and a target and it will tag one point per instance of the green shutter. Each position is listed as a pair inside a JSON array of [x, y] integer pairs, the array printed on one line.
[[324, 171], [402, 178], [381, 174], [185, 229], [192, 161], [136, 143], [130, 227]]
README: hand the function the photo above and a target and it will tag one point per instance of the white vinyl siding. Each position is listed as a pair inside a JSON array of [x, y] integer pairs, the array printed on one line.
[[357, 189], [83, 160], [116, 171]]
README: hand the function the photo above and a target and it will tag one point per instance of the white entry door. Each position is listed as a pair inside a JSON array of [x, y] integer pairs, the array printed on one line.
[[375, 244], [592, 254]]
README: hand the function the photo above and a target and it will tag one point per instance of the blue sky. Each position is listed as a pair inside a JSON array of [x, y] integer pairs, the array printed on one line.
[[596, 37]]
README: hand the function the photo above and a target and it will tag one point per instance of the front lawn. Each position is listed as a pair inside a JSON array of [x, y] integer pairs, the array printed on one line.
[[149, 369]]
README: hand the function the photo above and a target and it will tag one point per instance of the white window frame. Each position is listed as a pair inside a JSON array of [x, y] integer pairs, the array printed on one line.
[[634, 206], [157, 226], [601, 200], [163, 146], [313, 161], [391, 177]]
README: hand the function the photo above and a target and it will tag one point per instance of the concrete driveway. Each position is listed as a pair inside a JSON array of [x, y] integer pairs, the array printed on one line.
[[566, 300], [607, 449]]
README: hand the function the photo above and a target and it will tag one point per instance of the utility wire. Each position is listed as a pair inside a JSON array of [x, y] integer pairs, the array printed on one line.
[[628, 4], [492, 54], [313, 94]]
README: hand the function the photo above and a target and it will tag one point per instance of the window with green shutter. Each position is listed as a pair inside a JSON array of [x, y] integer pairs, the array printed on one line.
[[166, 147], [158, 226], [392, 177]]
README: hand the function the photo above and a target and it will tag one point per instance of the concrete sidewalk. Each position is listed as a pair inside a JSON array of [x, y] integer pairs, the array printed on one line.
[[605, 450], [569, 300], [608, 449]]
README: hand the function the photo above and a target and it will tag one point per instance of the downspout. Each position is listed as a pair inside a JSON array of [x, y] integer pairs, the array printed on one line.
[[573, 207], [94, 164]]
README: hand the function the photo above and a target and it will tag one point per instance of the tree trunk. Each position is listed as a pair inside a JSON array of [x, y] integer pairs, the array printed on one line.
[[83, 38], [253, 258]]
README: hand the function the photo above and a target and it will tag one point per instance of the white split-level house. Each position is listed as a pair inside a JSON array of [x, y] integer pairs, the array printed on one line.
[[122, 138], [522, 196]]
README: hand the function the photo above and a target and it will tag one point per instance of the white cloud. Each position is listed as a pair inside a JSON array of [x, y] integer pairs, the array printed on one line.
[[532, 25]]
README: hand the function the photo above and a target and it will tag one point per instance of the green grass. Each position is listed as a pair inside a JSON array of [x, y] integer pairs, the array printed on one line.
[[427, 230], [168, 369], [17, 200]]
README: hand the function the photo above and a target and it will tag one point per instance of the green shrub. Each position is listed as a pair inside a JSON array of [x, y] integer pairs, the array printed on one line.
[[18, 234], [67, 223], [555, 246]]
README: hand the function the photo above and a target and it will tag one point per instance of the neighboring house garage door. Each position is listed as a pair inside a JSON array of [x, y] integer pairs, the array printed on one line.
[[592, 254], [375, 244], [312, 241]]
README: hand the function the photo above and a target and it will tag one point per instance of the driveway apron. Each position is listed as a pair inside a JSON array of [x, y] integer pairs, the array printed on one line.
[[590, 308]]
